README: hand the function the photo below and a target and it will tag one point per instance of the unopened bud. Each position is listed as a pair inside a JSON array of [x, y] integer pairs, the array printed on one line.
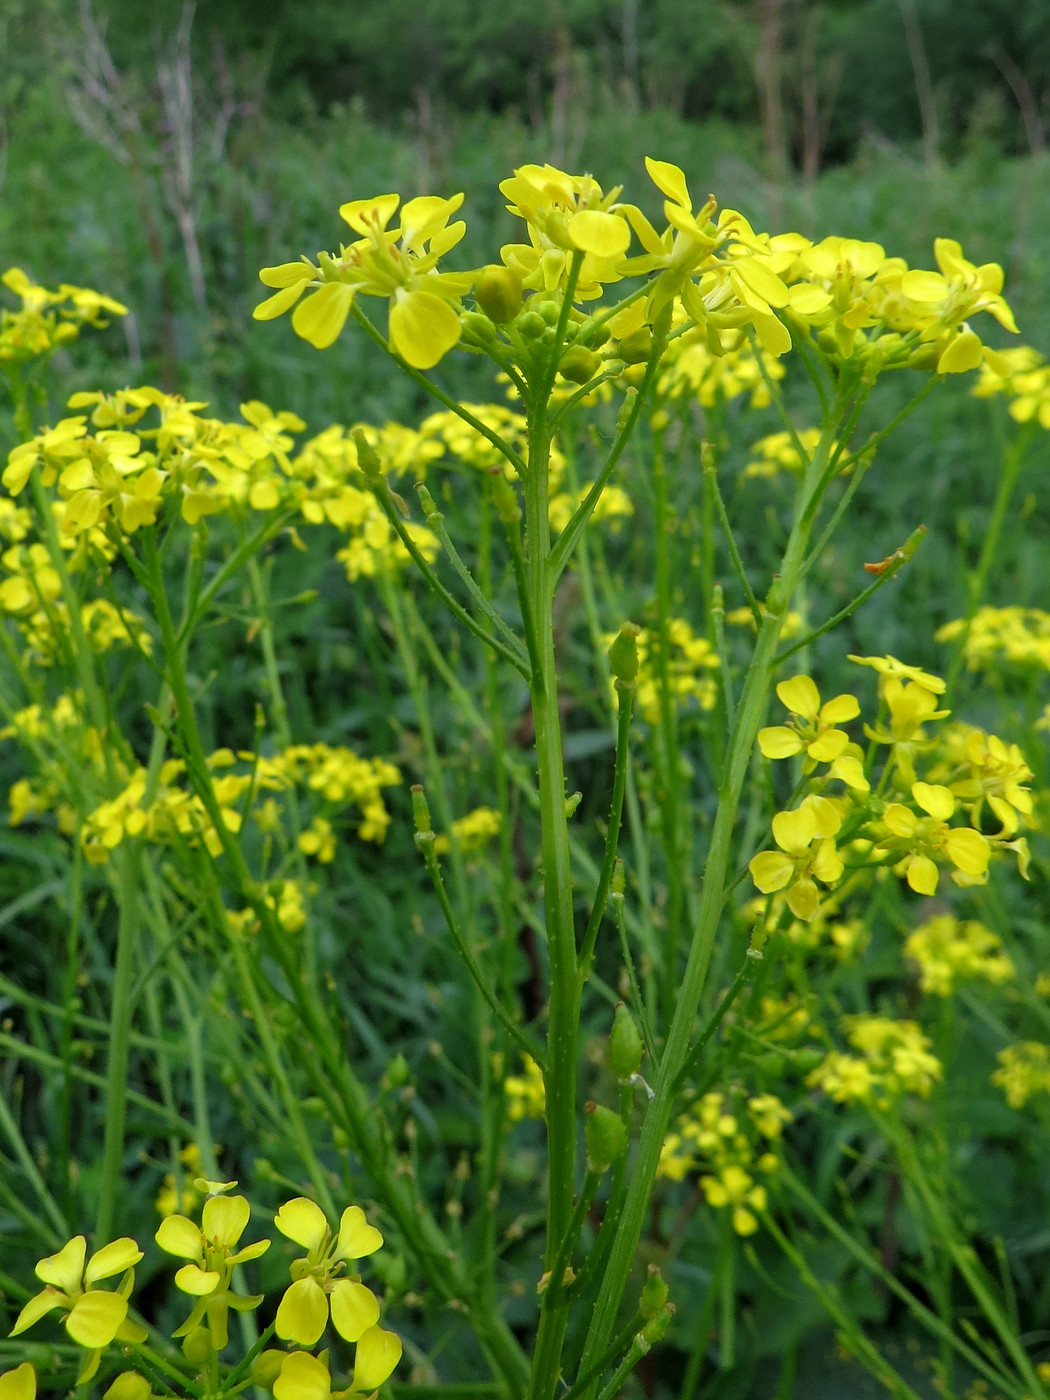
[[623, 654], [530, 326], [421, 811], [593, 334], [397, 1072], [636, 348], [498, 291], [606, 1136], [579, 364], [367, 459], [549, 310], [625, 1044], [267, 1367], [654, 1294]]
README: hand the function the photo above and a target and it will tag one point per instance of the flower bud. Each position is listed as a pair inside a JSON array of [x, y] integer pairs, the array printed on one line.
[[498, 291], [623, 654], [656, 1328], [421, 811], [579, 364], [625, 1044], [530, 325], [606, 1136], [549, 310], [197, 1346], [505, 498], [636, 348], [367, 459], [592, 334], [267, 1367], [481, 327], [654, 1294], [397, 1072]]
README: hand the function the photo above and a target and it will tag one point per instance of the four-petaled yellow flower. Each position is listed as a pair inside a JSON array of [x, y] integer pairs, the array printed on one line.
[[303, 1313], [921, 838], [812, 728], [93, 1316], [807, 853], [211, 1246]]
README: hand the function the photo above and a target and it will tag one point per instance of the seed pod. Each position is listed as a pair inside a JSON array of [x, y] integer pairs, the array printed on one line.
[[498, 291], [605, 1135], [625, 1044], [623, 656], [654, 1294]]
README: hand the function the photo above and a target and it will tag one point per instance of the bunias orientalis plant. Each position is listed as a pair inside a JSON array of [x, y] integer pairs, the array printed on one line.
[[711, 309]]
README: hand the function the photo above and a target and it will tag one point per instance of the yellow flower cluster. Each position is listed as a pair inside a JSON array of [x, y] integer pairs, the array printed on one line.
[[894, 1059], [913, 831], [525, 1092], [48, 319], [728, 1138], [691, 370], [61, 740], [1023, 375], [690, 661], [949, 951], [337, 776], [1012, 636], [471, 832], [778, 453], [1024, 1070], [708, 268]]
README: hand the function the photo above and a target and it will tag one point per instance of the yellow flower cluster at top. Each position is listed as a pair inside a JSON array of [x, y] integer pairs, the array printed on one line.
[[707, 268], [729, 1139], [906, 822], [47, 319], [996, 636], [325, 1287], [894, 1059]]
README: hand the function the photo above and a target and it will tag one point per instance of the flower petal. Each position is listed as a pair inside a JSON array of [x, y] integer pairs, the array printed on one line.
[[112, 1259], [223, 1219], [771, 871], [602, 235], [354, 1309], [934, 799], [779, 741], [793, 831], [378, 1352], [303, 1313], [423, 329], [357, 1239], [37, 1307], [968, 850], [321, 317], [95, 1317], [197, 1282], [801, 696], [179, 1236], [65, 1269], [839, 710], [303, 1377], [19, 1384], [303, 1221], [279, 303], [922, 875]]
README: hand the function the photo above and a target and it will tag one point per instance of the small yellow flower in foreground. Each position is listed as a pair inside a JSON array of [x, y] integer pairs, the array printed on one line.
[[807, 853], [812, 729], [303, 1313], [211, 1246], [19, 1384], [888, 666]]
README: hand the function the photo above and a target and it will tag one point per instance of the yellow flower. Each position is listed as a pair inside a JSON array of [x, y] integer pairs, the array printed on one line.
[[812, 729], [306, 1377], [949, 952], [734, 1187], [807, 853], [895, 1059], [999, 776], [211, 1248], [398, 264], [303, 1312], [1024, 1070], [93, 1316], [889, 667], [526, 1095], [922, 838]]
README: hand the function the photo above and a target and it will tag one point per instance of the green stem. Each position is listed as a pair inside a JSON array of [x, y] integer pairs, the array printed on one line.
[[625, 691]]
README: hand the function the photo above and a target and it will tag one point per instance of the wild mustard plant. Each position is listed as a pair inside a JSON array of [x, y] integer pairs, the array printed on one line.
[[139, 522]]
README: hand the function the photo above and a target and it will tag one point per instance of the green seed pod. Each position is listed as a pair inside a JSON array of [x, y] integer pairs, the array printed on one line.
[[505, 498], [530, 325], [367, 459], [605, 1135], [421, 811], [656, 1328], [579, 364], [625, 1044], [636, 348], [654, 1294], [623, 653], [498, 291]]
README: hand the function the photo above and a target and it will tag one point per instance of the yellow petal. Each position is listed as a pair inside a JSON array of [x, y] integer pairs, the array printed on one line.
[[303, 1221], [279, 303], [179, 1236], [303, 1377], [357, 1239], [771, 870], [935, 799], [95, 1318], [900, 820], [112, 1259], [803, 900], [779, 742], [963, 353], [129, 1385], [303, 1313], [65, 1269], [321, 317], [423, 329], [365, 215], [794, 831], [37, 1307], [918, 285], [773, 335], [800, 695], [354, 1309], [839, 710], [285, 274], [825, 814], [968, 850], [826, 747], [197, 1282], [851, 771], [378, 1352], [19, 1384], [223, 1219], [922, 875], [762, 281], [602, 235], [669, 180]]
